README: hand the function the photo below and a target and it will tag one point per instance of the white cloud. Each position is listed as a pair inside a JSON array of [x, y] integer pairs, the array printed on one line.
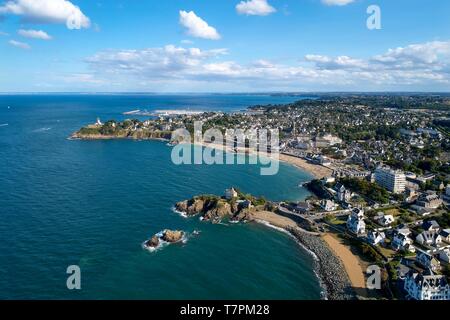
[[427, 53], [340, 62], [255, 8], [167, 62], [18, 44], [188, 42], [337, 2], [35, 34], [197, 27], [47, 11], [412, 67], [4, 34]]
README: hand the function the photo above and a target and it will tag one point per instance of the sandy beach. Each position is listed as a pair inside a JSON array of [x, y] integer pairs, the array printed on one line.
[[351, 262], [274, 219], [317, 171]]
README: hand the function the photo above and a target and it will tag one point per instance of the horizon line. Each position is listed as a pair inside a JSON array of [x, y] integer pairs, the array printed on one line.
[[218, 92]]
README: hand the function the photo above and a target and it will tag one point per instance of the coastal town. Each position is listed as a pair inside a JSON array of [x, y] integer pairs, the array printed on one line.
[[381, 186]]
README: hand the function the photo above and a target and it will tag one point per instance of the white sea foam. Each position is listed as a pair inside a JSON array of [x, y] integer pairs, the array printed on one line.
[[42, 130], [267, 224], [183, 214]]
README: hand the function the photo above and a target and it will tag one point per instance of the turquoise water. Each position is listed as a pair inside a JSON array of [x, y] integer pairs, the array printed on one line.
[[92, 204]]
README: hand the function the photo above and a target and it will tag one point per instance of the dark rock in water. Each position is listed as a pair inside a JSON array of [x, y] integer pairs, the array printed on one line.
[[153, 242], [182, 206], [191, 207], [172, 236]]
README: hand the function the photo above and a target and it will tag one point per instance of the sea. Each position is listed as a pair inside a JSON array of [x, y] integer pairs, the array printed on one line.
[[92, 204]]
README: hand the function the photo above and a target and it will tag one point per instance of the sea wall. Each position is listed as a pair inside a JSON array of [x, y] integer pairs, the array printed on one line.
[[329, 268]]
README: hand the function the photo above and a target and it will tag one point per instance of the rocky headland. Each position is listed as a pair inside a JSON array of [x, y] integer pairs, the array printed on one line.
[[128, 129], [234, 206]]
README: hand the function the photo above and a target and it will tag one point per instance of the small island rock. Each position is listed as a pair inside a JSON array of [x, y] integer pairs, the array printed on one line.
[[153, 242], [172, 236]]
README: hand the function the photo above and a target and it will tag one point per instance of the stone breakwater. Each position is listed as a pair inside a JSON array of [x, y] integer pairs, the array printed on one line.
[[329, 267]]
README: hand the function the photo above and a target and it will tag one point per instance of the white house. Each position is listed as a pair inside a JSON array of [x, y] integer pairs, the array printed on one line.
[[328, 205], [355, 222], [342, 194], [375, 237], [431, 238], [428, 261], [230, 193], [427, 286]]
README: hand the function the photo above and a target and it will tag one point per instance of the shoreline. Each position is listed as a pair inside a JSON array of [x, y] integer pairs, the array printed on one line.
[[317, 171], [329, 268]]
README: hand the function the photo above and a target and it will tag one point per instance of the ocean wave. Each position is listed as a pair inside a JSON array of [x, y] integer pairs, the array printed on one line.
[[42, 130], [182, 214], [4, 125]]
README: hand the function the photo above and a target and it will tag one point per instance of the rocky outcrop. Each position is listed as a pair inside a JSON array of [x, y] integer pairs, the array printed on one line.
[[244, 215], [237, 207], [216, 209], [220, 211], [182, 206], [153, 242], [172, 236], [192, 207], [168, 236]]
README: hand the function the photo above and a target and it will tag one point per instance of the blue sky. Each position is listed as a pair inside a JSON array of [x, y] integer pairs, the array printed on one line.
[[223, 46]]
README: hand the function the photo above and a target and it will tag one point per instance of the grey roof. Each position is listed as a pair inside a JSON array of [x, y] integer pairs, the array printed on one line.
[[430, 225]]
